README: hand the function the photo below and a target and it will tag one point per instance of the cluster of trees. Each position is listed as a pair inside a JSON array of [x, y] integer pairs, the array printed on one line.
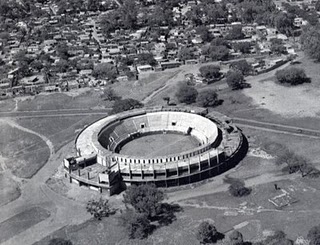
[[146, 210], [235, 80], [210, 73], [292, 76], [189, 95], [310, 40], [294, 163], [99, 208]]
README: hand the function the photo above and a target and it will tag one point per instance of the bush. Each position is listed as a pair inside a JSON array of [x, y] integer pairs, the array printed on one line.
[[99, 209], [206, 232], [314, 235], [292, 76], [207, 97], [241, 66], [59, 241], [186, 94], [125, 105], [110, 94], [237, 187]]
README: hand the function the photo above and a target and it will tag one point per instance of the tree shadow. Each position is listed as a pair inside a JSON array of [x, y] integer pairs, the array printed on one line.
[[167, 214]]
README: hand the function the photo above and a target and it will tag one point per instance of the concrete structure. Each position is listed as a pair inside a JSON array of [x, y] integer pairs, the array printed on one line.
[[99, 164]]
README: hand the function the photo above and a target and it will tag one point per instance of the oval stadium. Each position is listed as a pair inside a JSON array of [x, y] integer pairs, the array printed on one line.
[[168, 146]]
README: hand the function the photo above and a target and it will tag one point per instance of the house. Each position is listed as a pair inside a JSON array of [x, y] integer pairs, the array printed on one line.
[[169, 65]]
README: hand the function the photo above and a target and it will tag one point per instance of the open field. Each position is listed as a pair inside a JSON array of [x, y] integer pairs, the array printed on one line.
[[22, 153], [57, 101], [21, 221], [59, 130], [9, 190], [143, 87], [159, 145]]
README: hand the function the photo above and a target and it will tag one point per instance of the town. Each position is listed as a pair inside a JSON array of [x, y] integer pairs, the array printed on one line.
[[159, 122]]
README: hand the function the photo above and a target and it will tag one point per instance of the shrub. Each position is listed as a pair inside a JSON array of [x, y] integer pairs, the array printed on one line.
[[206, 232], [314, 235], [59, 241], [125, 105], [292, 76], [237, 187], [99, 209], [186, 94]]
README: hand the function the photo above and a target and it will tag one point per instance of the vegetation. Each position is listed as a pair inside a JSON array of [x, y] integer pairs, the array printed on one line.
[[125, 105], [186, 94], [235, 80], [314, 235], [237, 187], [59, 241], [99, 208], [146, 210], [105, 71], [242, 66], [310, 40], [207, 98], [278, 238], [207, 233], [210, 72], [292, 76], [110, 94], [215, 53]]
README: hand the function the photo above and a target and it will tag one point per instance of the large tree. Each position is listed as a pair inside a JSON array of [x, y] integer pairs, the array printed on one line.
[[310, 40], [235, 80], [145, 199], [215, 53], [210, 72], [186, 94], [105, 71], [292, 76], [207, 97]]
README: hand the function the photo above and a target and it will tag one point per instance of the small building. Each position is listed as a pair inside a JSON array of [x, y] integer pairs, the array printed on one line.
[[144, 68]]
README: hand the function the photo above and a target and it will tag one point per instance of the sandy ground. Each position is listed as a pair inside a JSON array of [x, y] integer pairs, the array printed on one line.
[[300, 101]]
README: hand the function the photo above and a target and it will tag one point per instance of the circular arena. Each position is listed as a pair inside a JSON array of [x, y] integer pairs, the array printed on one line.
[[166, 146]]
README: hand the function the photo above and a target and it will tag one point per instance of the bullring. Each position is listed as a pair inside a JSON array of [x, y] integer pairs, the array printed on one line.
[[102, 164]]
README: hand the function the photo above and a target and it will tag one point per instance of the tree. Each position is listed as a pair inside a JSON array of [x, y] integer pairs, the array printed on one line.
[[277, 46], [207, 97], [110, 94], [243, 47], [125, 105], [206, 232], [284, 23], [59, 241], [235, 80], [210, 72], [292, 76], [145, 199], [317, 5], [237, 187], [235, 33], [310, 40], [314, 235], [241, 66], [186, 53], [236, 238], [186, 94], [137, 224], [105, 71], [278, 238], [204, 33], [220, 52], [99, 208], [146, 58]]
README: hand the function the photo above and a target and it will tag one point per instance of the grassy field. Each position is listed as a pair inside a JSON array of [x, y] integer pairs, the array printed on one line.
[[9, 190], [59, 130], [144, 86], [159, 145], [19, 222], [57, 101], [23, 153]]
